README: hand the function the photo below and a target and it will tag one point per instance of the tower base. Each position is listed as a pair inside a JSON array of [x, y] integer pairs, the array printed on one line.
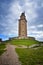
[[22, 37]]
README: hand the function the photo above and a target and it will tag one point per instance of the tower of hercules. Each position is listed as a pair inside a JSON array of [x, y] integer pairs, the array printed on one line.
[[22, 26]]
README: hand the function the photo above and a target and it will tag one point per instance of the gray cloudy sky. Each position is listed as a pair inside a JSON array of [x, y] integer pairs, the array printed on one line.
[[10, 11]]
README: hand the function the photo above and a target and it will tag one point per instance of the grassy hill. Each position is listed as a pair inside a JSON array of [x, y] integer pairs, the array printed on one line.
[[18, 42], [30, 56], [23, 42], [27, 56]]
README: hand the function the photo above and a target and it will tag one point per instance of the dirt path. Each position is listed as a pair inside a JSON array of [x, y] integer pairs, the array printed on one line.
[[9, 57]]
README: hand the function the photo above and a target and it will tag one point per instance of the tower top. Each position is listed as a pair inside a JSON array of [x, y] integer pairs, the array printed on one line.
[[22, 17], [23, 14]]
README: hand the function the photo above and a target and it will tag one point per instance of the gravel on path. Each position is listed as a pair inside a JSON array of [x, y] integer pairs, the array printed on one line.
[[9, 57]]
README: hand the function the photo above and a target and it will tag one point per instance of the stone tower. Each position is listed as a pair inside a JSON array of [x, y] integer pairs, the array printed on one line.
[[22, 26]]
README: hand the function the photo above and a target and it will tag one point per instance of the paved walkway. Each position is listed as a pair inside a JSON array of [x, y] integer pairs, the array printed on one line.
[[9, 57]]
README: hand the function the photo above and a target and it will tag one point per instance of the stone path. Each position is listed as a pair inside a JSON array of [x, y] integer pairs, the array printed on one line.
[[9, 57]]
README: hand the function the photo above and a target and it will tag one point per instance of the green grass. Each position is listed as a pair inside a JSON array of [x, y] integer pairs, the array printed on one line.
[[30, 56], [2, 47], [2, 51], [23, 42]]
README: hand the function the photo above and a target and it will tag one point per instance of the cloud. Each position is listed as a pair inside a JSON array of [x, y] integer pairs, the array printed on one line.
[[37, 34], [41, 25], [12, 11]]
